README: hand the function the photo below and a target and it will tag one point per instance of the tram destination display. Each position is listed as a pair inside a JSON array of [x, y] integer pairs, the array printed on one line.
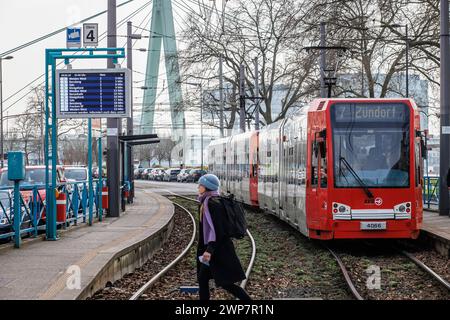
[[94, 93], [373, 112]]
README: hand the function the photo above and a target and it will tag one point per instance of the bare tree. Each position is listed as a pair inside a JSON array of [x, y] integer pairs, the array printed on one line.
[[374, 33], [27, 130], [270, 30]]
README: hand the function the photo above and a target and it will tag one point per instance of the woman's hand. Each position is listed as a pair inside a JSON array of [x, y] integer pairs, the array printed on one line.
[[206, 256]]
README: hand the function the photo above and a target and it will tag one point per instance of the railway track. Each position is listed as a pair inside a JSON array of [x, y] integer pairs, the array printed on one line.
[[356, 292], [346, 275], [138, 293], [159, 275]]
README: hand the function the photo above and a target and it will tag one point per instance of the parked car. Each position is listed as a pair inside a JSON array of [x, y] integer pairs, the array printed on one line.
[[138, 173], [95, 172], [76, 174], [195, 174], [158, 174], [171, 174], [153, 173], [7, 216], [145, 173], [181, 177], [34, 176]]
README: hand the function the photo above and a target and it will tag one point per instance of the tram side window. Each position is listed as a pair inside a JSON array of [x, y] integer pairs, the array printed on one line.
[[314, 164]]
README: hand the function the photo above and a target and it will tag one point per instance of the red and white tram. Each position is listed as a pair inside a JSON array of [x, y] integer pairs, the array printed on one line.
[[341, 168]]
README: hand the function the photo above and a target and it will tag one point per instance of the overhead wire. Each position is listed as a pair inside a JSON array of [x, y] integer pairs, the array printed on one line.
[[140, 25], [101, 38], [51, 34], [42, 75]]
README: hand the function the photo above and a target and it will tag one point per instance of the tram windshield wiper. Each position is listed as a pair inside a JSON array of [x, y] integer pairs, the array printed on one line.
[[356, 176]]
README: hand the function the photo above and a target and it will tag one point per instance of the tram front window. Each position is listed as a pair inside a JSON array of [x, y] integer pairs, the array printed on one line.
[[372, 140]]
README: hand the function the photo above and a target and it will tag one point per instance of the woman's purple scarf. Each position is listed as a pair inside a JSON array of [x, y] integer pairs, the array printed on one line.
[[209, 234]]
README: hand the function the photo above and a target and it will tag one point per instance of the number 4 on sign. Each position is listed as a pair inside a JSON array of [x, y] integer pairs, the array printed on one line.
[[90, 34]]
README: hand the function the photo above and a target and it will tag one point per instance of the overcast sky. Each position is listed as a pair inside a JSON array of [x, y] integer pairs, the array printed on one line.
[[24, 20]]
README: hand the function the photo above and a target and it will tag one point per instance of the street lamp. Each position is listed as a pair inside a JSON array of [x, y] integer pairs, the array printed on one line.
[[1, 109], [396, 25]]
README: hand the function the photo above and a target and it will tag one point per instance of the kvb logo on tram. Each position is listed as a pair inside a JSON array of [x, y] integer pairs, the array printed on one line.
[[378, 201]]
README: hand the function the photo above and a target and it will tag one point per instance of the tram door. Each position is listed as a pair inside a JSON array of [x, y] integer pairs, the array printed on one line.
[[313, 184], [284, 174], [287, 149], [318, 178]]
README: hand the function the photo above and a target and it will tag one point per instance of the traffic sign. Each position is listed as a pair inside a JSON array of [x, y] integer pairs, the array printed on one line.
[[90, 34], [73, 37], [93, 93]]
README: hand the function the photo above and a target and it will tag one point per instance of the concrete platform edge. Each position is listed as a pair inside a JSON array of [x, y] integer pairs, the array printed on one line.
[[128, 259]]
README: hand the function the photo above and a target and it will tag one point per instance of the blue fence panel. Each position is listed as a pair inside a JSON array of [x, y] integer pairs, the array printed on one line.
[[33, 206], [431, 191]]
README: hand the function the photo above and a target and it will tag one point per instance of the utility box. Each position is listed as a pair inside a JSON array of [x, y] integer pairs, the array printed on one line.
[[16, 165]]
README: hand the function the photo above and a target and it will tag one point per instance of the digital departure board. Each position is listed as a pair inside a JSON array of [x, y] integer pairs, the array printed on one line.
[[93, 93], [370, 112]]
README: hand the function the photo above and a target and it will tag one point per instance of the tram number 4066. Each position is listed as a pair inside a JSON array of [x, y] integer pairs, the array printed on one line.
[[373, 225]]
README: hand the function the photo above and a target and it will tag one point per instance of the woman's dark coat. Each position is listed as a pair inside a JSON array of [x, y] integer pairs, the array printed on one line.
[[225, 267]]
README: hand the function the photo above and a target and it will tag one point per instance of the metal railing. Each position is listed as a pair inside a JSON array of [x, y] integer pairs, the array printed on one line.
[[33, 207], [430, 191]]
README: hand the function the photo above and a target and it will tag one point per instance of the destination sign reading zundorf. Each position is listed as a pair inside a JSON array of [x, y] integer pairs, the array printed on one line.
[[95, 93], [360, 112]]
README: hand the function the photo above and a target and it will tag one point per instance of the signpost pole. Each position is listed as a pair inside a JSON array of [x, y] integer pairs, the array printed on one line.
[[17, 214], [113, 129], [130, 166], [445, 110], [91, 186], [52, 156], [100, 179]]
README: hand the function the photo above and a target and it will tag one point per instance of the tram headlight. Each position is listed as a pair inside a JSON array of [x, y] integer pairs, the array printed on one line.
[[403, 208], [341, 209]]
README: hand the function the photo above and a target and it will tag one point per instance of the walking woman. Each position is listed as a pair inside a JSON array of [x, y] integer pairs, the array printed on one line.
[[216, 257]]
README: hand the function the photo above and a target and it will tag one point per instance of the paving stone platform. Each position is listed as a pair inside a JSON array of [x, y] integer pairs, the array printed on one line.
[[99, 253], [437, 228]]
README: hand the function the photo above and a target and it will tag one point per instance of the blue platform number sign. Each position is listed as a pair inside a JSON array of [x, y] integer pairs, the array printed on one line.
[[73, 37]]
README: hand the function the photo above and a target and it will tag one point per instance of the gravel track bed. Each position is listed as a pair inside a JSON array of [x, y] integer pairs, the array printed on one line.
[[290, 266], [426, 254], [124, 288], [287, 266], [400, 278]]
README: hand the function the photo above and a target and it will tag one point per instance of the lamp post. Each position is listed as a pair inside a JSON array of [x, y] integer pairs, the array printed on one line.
[[130, 123], [396, 25], [1, 109]]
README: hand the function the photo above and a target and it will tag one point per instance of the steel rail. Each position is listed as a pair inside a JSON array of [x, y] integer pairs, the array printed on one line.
[[350, 284], [149, 283], [427, 269], [252, 258]]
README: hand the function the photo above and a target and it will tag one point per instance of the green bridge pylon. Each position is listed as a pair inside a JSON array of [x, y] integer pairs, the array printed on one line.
[[162, 30]]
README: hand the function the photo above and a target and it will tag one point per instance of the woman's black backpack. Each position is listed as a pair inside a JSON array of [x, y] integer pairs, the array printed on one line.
[[235, 226]]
